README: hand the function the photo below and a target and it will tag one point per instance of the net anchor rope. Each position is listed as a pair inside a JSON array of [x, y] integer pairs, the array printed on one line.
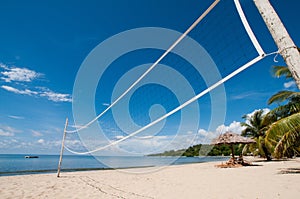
[[278, 52], [152, 66]]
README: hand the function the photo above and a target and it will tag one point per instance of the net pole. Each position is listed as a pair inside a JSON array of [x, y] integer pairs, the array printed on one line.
[[62, 148], [285, 44]]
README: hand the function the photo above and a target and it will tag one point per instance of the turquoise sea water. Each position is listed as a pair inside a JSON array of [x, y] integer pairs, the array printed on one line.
[[17, 164]]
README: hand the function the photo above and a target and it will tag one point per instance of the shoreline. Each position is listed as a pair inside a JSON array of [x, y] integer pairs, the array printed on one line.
[[203, 159], [199, 180]]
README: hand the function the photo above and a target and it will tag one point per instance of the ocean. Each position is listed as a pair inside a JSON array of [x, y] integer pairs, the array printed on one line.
[[17, 164]]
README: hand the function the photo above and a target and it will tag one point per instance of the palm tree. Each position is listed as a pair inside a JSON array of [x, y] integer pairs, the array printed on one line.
[[256, 128], [291, 107], [283, 136]]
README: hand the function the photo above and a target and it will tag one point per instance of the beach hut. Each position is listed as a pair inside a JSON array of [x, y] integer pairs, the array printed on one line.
[[230, 139]]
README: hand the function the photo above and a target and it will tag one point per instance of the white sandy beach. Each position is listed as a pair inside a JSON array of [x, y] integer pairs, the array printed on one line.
[[202, 180]]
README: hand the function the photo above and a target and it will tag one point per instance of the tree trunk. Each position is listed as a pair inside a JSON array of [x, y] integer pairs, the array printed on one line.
[[232, 151], [286, 46], [266, 152]]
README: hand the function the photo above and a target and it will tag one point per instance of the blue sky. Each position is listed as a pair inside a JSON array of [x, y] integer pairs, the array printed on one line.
[[43, 44]]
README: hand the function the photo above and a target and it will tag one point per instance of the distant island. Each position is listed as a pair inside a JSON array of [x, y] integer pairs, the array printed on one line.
[[207, 150]]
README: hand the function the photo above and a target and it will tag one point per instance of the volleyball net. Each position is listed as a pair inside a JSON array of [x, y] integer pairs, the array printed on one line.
[[148, 90]]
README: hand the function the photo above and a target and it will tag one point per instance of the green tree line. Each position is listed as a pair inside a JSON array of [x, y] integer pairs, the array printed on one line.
[[192, 151]]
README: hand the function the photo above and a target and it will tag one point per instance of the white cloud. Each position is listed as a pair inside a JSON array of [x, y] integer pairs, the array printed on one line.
[[142, 145], [72, 143], [18, 74], [44, 144], [265, 111], [16, 117], [8, 131], [15, 74], [17, 91], [50, 95], [118, 137], [4, 66], [145, 145], [289, 84], [245, 95], [41, 141], [134, 145], [8, 143], [234, 127], [56, 97], [205, 137], [36, 133], [77, 126]]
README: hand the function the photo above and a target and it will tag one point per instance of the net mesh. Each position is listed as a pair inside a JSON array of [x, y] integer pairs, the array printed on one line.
[[225, 46]]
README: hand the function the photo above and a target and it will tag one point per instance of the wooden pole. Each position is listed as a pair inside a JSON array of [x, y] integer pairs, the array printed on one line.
[[62, 148], [285, 44], [232, 151]]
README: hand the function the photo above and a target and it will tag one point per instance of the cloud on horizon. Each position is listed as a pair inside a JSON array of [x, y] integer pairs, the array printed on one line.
[[8, 131], [141, 145], [134, 146]]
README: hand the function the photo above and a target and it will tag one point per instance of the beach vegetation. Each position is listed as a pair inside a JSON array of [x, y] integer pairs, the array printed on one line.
[[194, 151], [283, 135], [255, 127]]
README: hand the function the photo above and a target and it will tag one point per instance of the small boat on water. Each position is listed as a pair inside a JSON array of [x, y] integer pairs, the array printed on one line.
[[31, 156]]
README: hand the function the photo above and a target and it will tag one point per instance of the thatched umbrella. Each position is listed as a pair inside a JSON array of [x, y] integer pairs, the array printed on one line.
[[230, 138]]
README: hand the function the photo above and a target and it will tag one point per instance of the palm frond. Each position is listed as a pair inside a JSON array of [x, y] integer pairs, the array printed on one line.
[[282, 96], [283, 134], [269, 118], [279, 71], [292, 107], [254, 124]]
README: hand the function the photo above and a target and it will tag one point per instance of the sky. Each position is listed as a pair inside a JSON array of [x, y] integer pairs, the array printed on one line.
[[46, 46]]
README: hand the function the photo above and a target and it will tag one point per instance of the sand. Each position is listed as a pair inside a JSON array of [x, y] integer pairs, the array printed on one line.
[[203, 180]]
